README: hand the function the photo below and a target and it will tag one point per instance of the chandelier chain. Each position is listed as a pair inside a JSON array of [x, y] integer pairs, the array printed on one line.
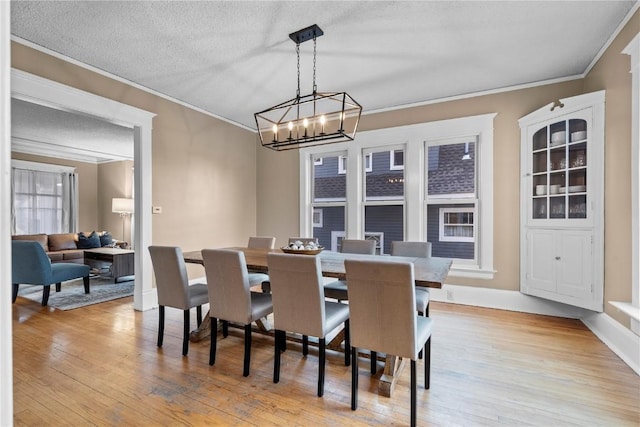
[[314, 65], [298, 55]]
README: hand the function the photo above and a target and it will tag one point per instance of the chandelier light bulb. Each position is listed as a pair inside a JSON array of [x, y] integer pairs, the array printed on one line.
[[290, 126], [275, 133], [305, 123], [323, 120]]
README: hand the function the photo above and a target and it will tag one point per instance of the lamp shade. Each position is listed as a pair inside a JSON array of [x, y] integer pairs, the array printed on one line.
[[119, 205]]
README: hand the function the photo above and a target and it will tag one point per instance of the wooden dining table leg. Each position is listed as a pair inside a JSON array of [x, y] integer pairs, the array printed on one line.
[[203, 331], [392, 367]]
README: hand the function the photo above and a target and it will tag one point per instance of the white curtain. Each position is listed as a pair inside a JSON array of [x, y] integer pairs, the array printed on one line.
[[43, 202]]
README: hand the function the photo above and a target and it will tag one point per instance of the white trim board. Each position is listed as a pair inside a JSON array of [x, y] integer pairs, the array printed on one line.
[[622, 341], [38, 90], [6, 322]]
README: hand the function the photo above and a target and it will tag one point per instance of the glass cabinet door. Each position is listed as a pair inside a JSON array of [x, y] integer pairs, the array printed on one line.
[[559, 170]]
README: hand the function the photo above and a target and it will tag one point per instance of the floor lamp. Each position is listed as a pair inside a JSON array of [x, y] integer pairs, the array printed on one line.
[[124, 207]]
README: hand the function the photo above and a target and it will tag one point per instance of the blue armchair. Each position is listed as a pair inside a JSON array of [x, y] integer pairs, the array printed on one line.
[[31, 266]]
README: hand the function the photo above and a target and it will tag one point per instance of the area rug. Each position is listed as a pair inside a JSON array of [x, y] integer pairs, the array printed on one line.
[[72, 294]]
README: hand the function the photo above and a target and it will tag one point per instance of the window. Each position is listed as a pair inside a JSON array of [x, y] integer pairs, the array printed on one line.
[[384, 199], [456, 225], [44, 198], [418, 172], [329, 198], [396, 159], [451, 198], [342, 164], [317, 218]]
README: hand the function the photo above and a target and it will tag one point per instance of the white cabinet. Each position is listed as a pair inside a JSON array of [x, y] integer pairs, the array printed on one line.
[[562, 203], [559, 265]]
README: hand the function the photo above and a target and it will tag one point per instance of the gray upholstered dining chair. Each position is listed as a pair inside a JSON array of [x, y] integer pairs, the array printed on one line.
[[174, 291], [383, 318], [338, 289], [260, 242], [418, 250], [230, 297], [299, 306], [411, 249], [266, 286]]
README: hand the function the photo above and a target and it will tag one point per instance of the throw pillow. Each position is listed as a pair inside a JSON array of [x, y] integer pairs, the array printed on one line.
[[88, 242], [106, 239]]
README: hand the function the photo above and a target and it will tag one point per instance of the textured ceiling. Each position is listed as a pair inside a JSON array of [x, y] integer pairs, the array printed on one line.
[[234, 58], [67, 134]]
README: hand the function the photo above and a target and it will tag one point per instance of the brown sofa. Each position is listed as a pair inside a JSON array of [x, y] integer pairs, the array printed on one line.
[[62, 247]]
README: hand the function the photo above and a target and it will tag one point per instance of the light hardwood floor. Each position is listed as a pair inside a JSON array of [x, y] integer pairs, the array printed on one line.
[[99, 365]]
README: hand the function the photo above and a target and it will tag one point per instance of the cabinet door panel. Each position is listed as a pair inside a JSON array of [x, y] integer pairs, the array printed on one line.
[[541, 261], [574, 273]]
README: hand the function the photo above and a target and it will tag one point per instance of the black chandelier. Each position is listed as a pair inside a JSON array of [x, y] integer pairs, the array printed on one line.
[[315, 119]]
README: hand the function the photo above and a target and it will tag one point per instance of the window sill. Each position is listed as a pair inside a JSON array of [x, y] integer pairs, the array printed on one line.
[[627, 308], [471, 272]]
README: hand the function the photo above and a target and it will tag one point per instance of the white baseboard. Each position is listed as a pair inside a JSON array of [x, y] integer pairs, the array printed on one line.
[[148, 301], [620, 340]]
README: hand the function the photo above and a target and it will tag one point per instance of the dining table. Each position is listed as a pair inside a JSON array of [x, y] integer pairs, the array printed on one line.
[[428, 272]]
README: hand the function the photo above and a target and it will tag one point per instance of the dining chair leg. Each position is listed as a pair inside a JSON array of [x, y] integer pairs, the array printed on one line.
[[247, 349], [276, 359], [305, 345], [14, 294], [347, 344], [160, 325], [427, 364], [413, 393], [199, 315], [225, 328], [321, 350], [85, 279], [374, 362], [45, 295], [214, 341], [354, 378], [58, 287], [185, 333]]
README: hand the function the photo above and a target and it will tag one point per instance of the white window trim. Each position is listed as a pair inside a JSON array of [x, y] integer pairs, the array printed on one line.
[[633, 309], [441, 225], [413, 138], [392, 161], [319, 212]]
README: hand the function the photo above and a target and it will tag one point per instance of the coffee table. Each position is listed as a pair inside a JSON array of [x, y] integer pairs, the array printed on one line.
[[121, 260]]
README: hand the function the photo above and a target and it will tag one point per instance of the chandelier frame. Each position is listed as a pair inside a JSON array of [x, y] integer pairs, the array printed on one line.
[[315, 119]]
